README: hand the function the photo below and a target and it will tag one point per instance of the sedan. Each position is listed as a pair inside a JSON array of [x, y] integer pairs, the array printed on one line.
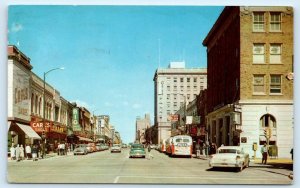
[[137, 150], [230, 156], [116, 148], [80, 149]]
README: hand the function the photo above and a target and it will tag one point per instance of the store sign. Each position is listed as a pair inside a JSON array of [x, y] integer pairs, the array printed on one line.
[[75, 120], [39, 126], [57, 129], [174, 117]]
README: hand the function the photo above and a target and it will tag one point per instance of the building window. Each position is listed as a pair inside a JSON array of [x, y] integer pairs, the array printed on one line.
[[168, 96], [275, 84], [188, 96], [32, 102], [258, 84], [195, 79], [258, 22], [275, 21], [175, 88], [275, 53], [168, 88], [188, 88], [258, 53], [201, 87], [188, 79], [181, 88], [175, 79], [181, 79], [195, 87]]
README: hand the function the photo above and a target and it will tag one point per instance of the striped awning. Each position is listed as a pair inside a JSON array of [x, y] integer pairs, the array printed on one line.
[[29, 131]]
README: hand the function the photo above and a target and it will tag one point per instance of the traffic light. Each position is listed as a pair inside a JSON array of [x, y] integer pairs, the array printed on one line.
[[267, 132]]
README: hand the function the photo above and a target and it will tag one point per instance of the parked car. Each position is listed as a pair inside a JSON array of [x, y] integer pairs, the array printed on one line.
[[230, 156], [89, 148], [137, 150], [92, 146], [116, 148], [80, 149], [124, 145]]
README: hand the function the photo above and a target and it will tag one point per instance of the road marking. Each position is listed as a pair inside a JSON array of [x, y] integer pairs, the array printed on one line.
[[117, 179]]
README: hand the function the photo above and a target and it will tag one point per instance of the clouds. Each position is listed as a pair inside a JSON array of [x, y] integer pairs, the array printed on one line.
[[16, 27], [83, 104]]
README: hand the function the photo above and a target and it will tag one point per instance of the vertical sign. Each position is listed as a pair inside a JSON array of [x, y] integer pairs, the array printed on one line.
[[75, 120]]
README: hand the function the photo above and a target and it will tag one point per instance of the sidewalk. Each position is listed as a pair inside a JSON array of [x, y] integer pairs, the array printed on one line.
[[47, 156]]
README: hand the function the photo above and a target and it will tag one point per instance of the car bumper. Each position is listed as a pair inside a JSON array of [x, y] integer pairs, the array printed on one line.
[[226, 164]]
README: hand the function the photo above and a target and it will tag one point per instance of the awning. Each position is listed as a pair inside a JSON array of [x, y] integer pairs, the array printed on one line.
[[84, 139], [29, 131]]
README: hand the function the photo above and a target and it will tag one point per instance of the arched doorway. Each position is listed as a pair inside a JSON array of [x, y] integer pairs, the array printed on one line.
[[268, 121]]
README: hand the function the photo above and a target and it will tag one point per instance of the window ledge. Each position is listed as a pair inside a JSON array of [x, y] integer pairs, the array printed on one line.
[[259, 94], [259, 63], [276, 94], [276, 63]]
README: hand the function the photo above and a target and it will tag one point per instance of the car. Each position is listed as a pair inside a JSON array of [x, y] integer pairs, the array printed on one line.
[[137, 150], [92, 147], [80, 149], [124, 145], [115, 148], [230, 156], [100, 147]]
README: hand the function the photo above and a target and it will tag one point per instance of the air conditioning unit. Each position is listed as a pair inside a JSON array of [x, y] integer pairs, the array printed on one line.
[[235, 118]]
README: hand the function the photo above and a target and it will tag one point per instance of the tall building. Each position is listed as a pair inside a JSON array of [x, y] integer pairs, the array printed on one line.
[[173, 87], [141, 125], [250, 86]]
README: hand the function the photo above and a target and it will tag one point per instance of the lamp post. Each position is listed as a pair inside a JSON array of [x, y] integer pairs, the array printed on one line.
[[44, 104]]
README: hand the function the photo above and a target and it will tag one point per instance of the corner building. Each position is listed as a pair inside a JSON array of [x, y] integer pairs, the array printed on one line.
[[250, 84]]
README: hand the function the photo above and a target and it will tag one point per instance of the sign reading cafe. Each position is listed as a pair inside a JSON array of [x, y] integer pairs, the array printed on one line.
[[75, 120]]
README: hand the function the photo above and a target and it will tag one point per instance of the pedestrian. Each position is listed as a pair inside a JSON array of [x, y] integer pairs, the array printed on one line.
[[149, 148], [197, 149], [292, 153], [58, 149], [264, 152], [28, 151], [18, 153], [213, 148], [34, 153], [63, 147], [38, 150], [12, 152], [204, 149], [21, 152]]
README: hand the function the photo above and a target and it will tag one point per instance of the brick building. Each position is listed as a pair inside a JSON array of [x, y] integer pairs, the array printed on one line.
[[250, 60]]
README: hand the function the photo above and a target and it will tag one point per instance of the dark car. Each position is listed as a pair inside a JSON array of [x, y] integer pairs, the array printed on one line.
[[137, 150]]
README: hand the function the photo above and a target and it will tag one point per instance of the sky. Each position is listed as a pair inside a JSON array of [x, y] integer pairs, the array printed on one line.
[[110, 53]]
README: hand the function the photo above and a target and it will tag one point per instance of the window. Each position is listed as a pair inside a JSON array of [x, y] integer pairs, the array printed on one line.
[[175, 79], [188, 79], [258, 53], [168, 88], [275, 84], [258, 21], [195, 87], [268, 121], [175, 88], [275, 21], [195, 79], [258, 84], [181, 79], [188, 88], [168, 96], [181, 88], [201, 87], [275, 53]]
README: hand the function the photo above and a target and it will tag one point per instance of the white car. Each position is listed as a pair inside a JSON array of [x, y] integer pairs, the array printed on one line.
[[230, 156], [116, 148]]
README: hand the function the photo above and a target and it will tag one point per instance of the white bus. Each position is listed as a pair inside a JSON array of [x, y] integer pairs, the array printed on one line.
[[180, 145]]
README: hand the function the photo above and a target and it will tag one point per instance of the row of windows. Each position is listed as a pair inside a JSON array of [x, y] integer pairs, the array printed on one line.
[[188, 79], [195, 87], [259, 53], [259, 84], [259, 21]]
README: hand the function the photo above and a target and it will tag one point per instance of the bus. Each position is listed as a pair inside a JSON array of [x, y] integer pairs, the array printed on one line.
[[180, 145]]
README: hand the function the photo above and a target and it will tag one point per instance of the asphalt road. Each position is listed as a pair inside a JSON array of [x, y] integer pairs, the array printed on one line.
[[106, 167]]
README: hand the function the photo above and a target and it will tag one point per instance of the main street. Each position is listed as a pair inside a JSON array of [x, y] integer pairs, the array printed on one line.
[[106, 167]]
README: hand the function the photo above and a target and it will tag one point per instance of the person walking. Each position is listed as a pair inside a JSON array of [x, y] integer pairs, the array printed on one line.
[[264, 152], [34, 153], [18, 153], [28, 151], [197, 150], [213, 148], [21, 152], [12, 152]]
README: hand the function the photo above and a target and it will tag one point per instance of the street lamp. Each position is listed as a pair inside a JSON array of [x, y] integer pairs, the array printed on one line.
[[44, 104]]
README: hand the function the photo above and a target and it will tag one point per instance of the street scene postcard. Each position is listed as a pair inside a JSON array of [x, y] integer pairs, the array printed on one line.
[[150, 94]]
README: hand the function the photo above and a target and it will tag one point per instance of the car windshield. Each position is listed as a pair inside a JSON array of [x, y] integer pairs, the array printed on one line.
[[137, 146], [227, 151]]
